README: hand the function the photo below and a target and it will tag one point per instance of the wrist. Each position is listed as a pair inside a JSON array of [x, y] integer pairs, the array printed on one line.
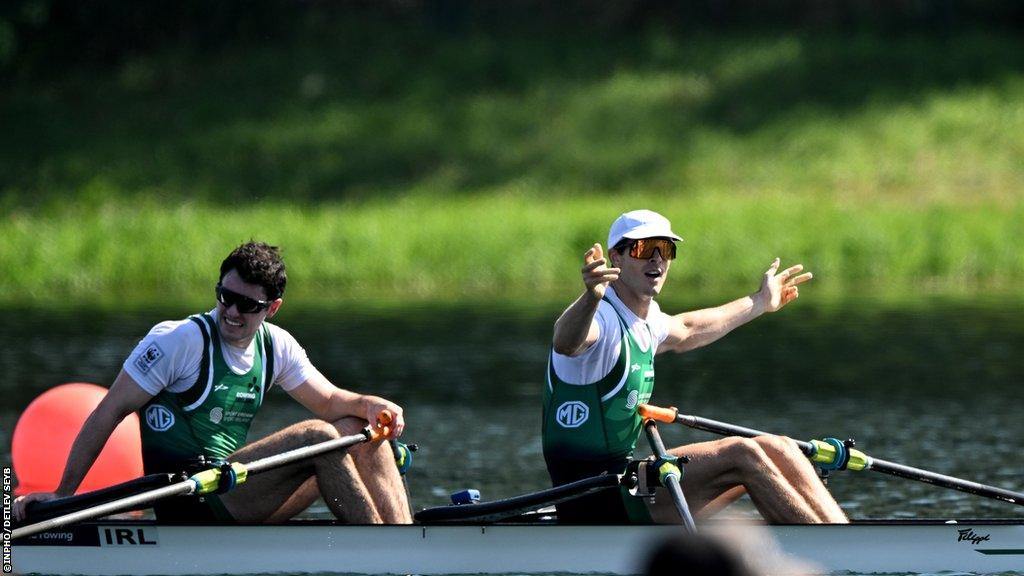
[[63, 492], [365, 404], [758, 303]]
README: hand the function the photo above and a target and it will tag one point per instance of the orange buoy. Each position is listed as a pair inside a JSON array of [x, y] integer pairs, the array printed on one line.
[[46, 429]]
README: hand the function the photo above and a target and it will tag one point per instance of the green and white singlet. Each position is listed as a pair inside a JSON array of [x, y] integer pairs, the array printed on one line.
[[593, 428], [599, 421], [205, 394], [212, 417]]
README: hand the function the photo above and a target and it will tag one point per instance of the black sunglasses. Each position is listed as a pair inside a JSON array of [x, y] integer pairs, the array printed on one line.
[[243, 303]]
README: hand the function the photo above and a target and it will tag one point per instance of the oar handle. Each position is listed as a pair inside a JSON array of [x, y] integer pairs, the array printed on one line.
[[382, 427], [657, 413]]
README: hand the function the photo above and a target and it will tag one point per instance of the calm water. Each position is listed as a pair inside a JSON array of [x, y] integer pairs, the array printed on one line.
[[938, 386]]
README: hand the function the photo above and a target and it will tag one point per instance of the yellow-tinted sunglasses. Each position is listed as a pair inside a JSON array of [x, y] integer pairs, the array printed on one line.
[[644, 248]]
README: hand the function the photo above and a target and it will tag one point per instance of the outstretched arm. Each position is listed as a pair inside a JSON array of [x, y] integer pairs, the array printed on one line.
[[575, 329], [691, 330]]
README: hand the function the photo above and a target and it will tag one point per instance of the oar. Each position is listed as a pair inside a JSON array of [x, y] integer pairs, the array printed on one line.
[[668, 473], [831, 454], [204, 482], [516, 505], [46, 509]]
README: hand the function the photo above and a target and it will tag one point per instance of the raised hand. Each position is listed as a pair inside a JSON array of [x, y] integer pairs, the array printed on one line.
[[780, 288], [596, 275]]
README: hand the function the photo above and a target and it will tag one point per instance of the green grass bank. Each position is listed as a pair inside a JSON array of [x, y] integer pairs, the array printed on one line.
[[512, 246], [400, 164]]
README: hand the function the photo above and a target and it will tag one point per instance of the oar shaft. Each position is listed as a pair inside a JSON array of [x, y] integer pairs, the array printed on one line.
[[726, 429], [179, 489], [193, 485], [868, 463], [277, 460], [671, 481], [911, 473], [46, 509], [883, 466]]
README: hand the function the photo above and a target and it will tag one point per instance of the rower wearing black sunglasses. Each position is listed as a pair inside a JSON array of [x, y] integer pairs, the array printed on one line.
[[601, 368], [197, 385]]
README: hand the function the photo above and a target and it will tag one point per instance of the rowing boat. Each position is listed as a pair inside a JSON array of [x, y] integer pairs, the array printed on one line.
[[515, 535], [314, 546]]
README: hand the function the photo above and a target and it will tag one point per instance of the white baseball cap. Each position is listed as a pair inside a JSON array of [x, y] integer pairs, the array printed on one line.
[[640, 224]]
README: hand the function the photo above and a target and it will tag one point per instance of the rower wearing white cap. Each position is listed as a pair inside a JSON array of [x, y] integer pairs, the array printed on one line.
[[602, 366]]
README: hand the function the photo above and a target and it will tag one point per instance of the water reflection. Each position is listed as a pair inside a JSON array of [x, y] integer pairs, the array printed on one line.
[[935, 387]]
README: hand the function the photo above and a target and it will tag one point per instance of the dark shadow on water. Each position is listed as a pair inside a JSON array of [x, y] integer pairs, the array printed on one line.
[[479, 355], [476, 354]]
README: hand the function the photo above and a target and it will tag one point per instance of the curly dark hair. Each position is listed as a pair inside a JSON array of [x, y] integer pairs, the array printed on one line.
[[258, 263]]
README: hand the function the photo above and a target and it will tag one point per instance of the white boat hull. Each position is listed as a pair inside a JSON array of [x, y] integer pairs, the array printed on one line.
[[306, 547]]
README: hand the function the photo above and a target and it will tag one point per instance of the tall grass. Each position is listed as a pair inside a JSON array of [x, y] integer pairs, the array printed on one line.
[[511, 246]]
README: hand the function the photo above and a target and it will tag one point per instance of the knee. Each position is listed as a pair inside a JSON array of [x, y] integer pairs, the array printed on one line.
[[316, 431], [746, 452], [348, 425], [380, 453], [781, 448]]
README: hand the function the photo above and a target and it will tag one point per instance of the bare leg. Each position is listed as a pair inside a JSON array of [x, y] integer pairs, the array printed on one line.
[[721, 470], [722, 501], [298, 502], [375, 463], [286, 491], [800, 474]]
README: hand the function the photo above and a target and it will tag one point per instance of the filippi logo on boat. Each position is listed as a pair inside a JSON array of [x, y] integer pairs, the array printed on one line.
[[572, 414], [158, 418]]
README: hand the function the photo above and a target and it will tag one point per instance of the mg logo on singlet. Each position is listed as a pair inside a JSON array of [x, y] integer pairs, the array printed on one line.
[[572, 414], [158, 418]]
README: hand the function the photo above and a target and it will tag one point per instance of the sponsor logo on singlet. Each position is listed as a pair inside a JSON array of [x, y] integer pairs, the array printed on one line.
[[158, 418], [245, 397], [631, 399], [149, 357], [216, 415], [572, 414]]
